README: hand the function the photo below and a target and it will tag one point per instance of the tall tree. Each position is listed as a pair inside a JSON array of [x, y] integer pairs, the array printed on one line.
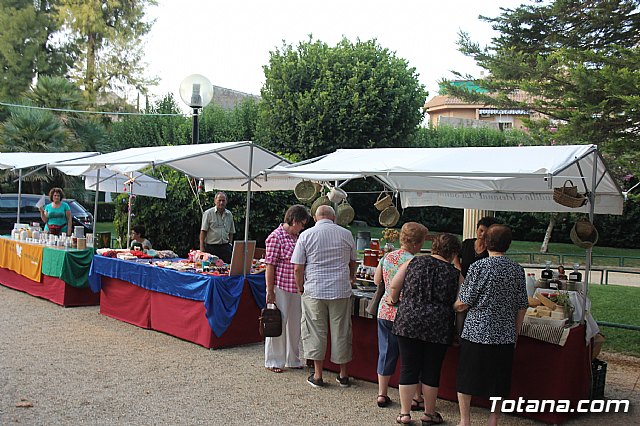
[[109, 35], [579, 60], [26, 46], [317, 98]]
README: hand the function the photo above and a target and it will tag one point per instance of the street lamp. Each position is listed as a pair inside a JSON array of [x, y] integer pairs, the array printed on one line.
[[196, 91]]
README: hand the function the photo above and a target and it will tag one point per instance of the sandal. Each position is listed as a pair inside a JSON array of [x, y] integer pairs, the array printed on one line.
[[417, 405], [275, 369], [400, 419], [431, 419], [386, 401]]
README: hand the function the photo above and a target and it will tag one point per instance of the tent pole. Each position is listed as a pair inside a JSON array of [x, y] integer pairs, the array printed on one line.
[[592, 201], [129, 217], [19, 194], [246, 217], [95, 204]]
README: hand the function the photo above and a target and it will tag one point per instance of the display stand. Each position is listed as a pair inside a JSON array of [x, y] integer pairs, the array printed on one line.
[[184, 305], [572, 362]]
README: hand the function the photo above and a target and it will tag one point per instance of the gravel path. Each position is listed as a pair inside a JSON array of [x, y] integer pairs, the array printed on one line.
[[74, 366]]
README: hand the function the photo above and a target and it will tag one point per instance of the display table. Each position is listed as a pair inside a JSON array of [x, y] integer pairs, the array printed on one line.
[[57, 275], [212, 311], [540, 370]]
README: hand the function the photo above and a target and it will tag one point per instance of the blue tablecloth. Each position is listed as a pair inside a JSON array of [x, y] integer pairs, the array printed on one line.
[[220, 294]]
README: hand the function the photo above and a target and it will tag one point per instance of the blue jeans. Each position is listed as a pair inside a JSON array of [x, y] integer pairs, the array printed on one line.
[[388, 350]]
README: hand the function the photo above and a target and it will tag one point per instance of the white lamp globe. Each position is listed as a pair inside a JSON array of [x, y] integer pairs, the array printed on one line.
[[196, 91]]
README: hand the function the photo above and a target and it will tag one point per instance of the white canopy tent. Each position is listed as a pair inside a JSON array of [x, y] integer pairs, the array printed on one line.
[[231, 166], [135, 184], [487, 178], [106, 180], [17, 162], [111, 181]]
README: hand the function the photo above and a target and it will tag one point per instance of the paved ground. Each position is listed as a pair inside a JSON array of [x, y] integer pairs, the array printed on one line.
[[74, 366]]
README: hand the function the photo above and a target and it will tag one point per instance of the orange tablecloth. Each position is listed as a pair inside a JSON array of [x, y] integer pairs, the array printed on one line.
[[22, 258]]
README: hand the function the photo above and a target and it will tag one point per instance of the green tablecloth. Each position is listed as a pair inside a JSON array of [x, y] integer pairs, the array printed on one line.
[[71, 266]]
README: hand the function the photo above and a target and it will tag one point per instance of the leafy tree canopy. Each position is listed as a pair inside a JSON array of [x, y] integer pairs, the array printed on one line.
[[26, 48], [318, 98], [109, 35], [579, 62]]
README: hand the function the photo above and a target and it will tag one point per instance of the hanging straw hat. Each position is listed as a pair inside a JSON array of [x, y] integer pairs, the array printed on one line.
[[344, 214], [384, 201], [337, 195], [584, 234], [320, 201], [305, 191], [389, 217], [567, 195]]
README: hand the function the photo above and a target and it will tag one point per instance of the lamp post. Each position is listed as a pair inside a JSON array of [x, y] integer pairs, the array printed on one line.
[[196, 91]]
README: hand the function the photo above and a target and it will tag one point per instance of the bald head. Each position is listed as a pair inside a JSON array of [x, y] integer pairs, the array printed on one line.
[[325, 212]]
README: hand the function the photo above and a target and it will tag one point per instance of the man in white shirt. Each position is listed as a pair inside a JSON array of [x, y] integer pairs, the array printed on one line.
[[217, 229], [324, 266]]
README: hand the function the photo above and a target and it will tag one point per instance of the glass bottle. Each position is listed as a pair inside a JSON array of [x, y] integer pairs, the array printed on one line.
[[547, 273], [575, 275]]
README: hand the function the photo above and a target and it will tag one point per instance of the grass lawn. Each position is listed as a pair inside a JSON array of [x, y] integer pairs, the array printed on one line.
[[106, 226], [617, 304]]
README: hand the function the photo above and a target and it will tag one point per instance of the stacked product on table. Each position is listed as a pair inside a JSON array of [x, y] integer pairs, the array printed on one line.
[[197, 261]]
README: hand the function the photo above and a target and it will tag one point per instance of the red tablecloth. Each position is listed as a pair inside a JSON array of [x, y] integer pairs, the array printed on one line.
[[50, 288], [179, 317], [541, 370]]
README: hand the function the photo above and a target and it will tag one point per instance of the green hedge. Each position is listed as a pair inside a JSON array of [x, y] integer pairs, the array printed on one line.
[[106, 211]]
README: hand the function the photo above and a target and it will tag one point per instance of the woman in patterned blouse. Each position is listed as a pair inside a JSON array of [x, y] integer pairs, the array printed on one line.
[[412, 236], [424, 322], [495, 295]]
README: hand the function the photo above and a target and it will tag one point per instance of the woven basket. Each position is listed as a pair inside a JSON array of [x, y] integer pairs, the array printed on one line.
[[384, 201], [305, 191], [389, 217], [584, 234], [344, 214], [568, 196], [323, 200]]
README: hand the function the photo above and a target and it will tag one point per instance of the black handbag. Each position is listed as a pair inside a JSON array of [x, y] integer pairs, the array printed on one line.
[[270, 321]]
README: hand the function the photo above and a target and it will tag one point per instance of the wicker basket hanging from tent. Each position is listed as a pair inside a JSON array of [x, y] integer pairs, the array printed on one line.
[[344, 213], [568, 195], [584, 234], [305, 191], [322, 200], [384, 201], [389, 217]]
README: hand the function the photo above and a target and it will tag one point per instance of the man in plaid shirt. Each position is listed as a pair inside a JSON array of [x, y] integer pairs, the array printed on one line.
[[283, 351]]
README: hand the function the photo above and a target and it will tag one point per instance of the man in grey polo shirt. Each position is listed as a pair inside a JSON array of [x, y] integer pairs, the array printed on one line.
[[217, 229], [324, 266]]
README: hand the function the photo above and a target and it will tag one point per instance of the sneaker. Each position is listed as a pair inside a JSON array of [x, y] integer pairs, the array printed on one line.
[[316, 383], [344, 381]]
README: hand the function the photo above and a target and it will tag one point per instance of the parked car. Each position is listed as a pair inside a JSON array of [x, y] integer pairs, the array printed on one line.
[[29, 213]]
